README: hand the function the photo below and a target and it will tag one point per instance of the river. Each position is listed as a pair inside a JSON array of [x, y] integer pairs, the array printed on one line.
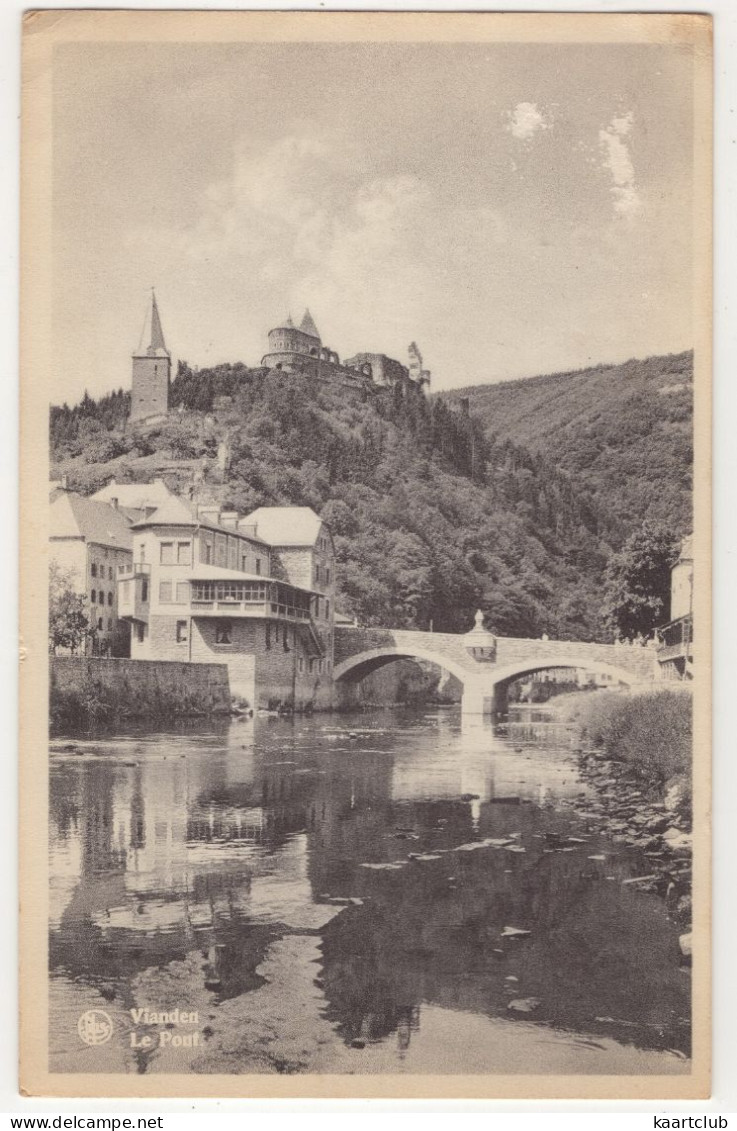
[[389, 892]]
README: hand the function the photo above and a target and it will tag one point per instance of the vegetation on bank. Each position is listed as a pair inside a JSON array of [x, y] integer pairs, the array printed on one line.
[[649, 731], [96, 704]]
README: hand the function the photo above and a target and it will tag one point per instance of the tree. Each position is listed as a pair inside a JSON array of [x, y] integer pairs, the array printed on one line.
[[637, 582], [69, 624]]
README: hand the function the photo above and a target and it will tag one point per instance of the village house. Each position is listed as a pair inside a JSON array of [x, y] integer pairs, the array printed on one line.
[[675, 639], [254, 592], [93, 541]]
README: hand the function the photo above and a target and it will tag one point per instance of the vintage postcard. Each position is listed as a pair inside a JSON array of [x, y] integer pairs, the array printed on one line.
[[365, 555]]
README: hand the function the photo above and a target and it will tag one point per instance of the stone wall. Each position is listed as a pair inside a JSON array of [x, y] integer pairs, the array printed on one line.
[[136, 688]]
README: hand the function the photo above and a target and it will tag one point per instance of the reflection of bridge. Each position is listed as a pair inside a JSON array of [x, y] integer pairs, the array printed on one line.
[[360, 651]]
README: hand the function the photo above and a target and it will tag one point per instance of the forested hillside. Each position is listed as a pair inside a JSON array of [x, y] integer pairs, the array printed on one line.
[[432, 519], [622, 433]]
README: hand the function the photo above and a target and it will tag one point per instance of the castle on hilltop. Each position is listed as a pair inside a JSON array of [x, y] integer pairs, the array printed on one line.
[[292, 349], [299, 349]]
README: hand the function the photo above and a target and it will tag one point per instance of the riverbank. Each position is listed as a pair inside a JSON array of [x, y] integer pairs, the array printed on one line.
[[635, 749], [89, 693]]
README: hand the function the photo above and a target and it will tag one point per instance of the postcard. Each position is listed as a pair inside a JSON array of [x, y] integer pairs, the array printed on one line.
[[365, 543]]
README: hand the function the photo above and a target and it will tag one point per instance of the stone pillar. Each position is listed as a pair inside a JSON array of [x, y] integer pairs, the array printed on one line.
[[478, 698], [481, 697]]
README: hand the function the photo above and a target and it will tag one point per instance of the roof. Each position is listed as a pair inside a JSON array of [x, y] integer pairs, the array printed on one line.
[[172, 512], [138, 496], [75, 516], [307, 326], [152, 330], [286, 526], [176, 512]]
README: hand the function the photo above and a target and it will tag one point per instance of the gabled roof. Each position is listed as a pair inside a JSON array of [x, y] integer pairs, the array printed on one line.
[[176, 512], [307, 326], [172, 512], [75, 516], [286, 526], [137, 496]]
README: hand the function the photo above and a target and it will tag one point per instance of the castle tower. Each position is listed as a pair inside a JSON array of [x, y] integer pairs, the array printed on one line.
[[151, 370]]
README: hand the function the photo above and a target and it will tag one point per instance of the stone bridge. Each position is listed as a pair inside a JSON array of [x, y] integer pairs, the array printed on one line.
[[360, 651]]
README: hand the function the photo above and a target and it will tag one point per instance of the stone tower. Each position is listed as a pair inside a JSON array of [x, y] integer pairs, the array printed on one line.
[[151, 370]]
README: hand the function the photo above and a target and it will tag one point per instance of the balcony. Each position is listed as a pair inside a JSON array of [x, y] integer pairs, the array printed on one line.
[[134, 569], [261, 600], [676, 642], [134, 592]]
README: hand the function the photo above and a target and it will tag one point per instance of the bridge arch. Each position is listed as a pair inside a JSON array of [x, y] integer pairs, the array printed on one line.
[[357, 667], [509, 672]]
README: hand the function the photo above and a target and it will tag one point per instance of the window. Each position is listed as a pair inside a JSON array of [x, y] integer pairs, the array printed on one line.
[[93, 596], [327, 575], [144, 591], [99, 624], [182, 632], [208, 553], [140, 632], [165, 592], [258, 565], [93, 569], [182, 592], [285, 641], [167, 553], [110, 624], [327, 610], [110, 573], [244, 563], [268, 634], [221, 550], [184, 553], [223, 632], [301, 664]]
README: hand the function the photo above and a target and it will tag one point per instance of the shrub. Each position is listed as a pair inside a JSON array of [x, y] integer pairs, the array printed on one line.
[[651, 731]]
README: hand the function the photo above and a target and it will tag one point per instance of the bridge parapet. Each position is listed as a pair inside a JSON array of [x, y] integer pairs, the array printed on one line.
[[527, 653]]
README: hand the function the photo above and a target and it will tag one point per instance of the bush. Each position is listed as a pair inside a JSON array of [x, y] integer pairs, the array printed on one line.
[[651, 731]]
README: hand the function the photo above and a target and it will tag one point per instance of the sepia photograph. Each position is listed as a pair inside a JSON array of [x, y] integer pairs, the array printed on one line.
[[366, 459]]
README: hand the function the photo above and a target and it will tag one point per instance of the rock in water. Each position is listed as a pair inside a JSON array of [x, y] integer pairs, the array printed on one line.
[[685, 944], [515, 933], [523, 1004]]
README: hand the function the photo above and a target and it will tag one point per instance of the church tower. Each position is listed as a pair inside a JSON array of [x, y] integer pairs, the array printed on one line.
[[151, 370]]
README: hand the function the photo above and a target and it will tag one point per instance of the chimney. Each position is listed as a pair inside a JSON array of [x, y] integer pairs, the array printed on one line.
[[64, 483], [229, 519], [209, 513], [114, 504]]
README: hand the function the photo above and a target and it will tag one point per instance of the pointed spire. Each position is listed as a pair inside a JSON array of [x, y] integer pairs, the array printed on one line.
[[289, 325], [157, 334], [307, 326]]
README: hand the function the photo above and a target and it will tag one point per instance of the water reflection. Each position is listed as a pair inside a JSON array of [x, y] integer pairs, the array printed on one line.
[[400, 848]]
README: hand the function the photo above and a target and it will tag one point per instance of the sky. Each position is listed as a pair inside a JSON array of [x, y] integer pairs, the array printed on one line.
[[513, 208]]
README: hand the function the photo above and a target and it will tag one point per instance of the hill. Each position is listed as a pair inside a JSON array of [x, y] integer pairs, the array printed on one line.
[[432, 519], [622, 433]]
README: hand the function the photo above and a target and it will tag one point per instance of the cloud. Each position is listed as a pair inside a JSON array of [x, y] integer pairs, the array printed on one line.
[[616, 158], [526, 120]]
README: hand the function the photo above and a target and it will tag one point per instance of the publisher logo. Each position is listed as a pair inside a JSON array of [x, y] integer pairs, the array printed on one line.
[[95, 1027]]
